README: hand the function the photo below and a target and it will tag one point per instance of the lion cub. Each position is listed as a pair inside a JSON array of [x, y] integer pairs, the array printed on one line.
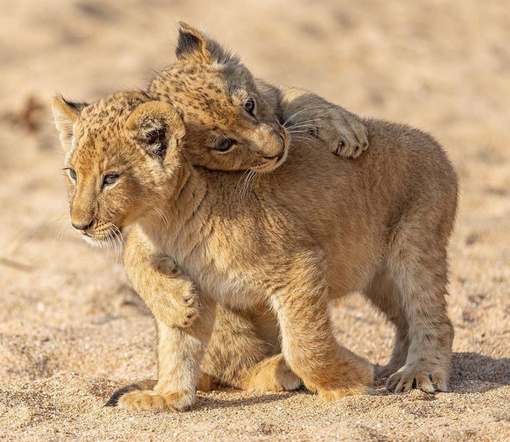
[[279, 247], [253, 134], [241, 122], [213, 80]]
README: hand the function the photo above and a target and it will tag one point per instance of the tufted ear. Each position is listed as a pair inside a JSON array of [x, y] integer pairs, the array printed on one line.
[[158, 126], [65, 114], [194, 46]]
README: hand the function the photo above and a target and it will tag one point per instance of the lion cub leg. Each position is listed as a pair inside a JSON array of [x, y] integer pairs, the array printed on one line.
[[270, 374], [179, 355], [385, 295], [240, 356], [427, 332], [170, 295], [308, 342]]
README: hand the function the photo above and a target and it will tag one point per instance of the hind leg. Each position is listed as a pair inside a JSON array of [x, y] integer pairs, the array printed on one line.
[[244, 352], [384, 294], [420, 274]]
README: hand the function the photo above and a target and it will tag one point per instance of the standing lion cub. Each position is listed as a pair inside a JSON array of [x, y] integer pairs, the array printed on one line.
[[291, 243]]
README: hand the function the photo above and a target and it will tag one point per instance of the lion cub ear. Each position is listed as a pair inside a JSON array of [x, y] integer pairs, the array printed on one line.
[[157, 126], [65, 114], [194, 46]]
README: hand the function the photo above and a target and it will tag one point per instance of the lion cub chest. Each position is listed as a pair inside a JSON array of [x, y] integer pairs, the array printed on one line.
[[220, 267]]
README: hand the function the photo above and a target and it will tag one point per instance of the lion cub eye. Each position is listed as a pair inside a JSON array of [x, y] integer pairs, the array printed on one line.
[[108, 180], [249, 106], [224, 145], [72, 175]]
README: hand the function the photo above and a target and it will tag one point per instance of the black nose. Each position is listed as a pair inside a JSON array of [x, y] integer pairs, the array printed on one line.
[[83, 226]]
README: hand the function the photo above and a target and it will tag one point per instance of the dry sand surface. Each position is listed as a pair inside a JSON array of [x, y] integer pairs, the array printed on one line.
[[71, 329]]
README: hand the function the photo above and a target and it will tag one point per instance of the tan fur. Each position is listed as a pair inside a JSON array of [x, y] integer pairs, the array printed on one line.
[[261, 142], [210, 87], [261, 145], [292, 241]]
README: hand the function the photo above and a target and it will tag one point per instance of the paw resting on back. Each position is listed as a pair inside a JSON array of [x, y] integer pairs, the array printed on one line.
[[353, 138]]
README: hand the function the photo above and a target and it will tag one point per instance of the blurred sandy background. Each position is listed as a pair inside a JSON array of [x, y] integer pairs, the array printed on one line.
[[71, 330]]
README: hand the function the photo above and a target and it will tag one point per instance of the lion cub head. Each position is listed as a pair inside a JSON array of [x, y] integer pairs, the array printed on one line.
[[122, 158], [230, 123]]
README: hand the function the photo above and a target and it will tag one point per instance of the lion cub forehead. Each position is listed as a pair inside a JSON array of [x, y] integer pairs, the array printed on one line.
[[105, 120], [100, 129], [112, 111], [217, 90]]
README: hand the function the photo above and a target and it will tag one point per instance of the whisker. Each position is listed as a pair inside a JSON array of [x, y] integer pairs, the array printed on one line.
[[301, 131], [119, 243], [240, 184], [119, 235], [304, 123], [163, 217], [284, 124], [248, 181], [63, 226], [302, 136]]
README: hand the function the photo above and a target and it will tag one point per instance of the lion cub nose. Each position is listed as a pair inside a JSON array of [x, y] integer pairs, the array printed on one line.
[[84, 226]]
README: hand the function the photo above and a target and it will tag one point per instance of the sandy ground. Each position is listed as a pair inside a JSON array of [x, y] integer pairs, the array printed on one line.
[[72, 331]]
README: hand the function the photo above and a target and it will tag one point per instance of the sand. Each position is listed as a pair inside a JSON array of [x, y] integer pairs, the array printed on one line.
[[71, 329]]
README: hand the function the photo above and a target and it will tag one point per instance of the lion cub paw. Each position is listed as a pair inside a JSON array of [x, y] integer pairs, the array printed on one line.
[[409, 377], [185, 312], [354, 378], [333, 394], [270, 375], [184, 307], [180, 293], [148, 400], [350, 143]]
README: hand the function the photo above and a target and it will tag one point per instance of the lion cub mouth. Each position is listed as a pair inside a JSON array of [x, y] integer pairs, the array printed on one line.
[[271, 164], [105, 237]]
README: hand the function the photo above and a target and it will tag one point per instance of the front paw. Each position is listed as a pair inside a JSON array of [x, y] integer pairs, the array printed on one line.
[[182, 306], [409, 377], [148, 400], [351, 143], [187, 309]]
